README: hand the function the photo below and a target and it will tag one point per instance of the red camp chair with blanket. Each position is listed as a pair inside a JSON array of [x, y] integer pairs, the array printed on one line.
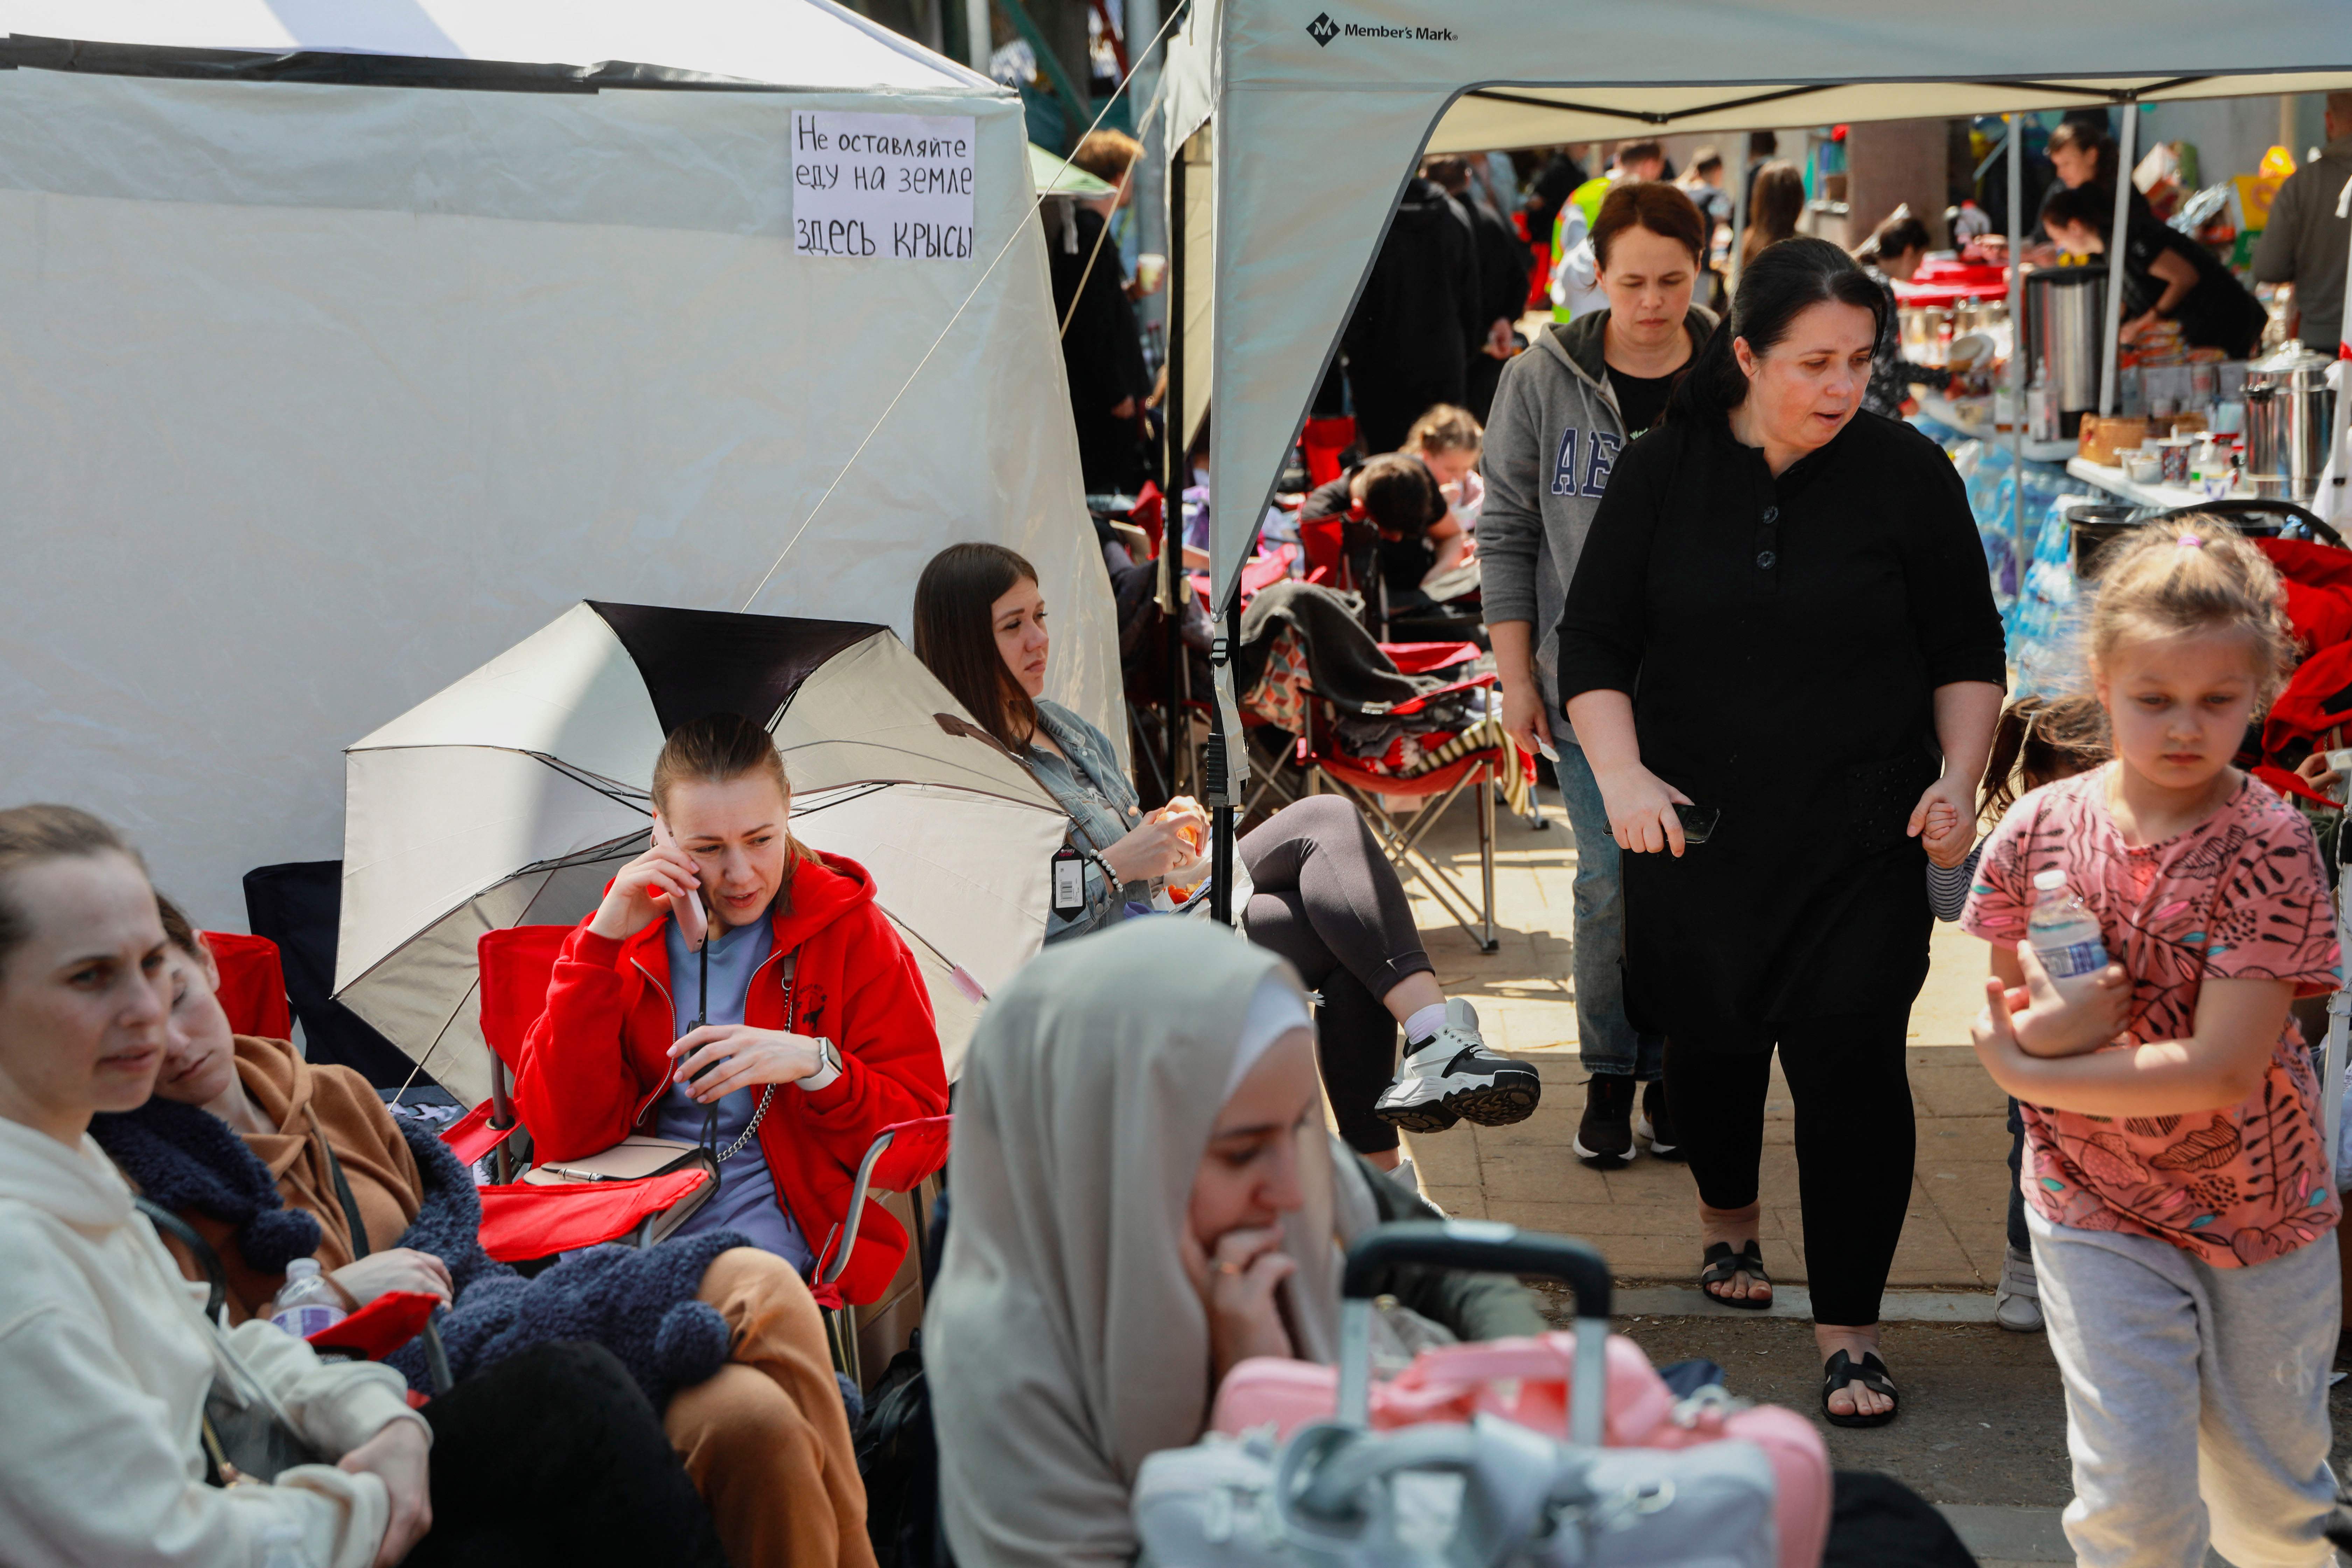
[[252, 984], [1481, 760], [520, 1220]]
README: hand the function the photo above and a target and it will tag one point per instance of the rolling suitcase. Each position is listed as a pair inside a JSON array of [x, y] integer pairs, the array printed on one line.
[[1475, 1494]]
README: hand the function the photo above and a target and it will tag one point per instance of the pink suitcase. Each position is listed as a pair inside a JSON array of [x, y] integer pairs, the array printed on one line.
[[1528, 1381]]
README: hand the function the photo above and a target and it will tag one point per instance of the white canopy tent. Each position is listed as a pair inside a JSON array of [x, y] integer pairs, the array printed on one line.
[[348, 344], [1321, 114]]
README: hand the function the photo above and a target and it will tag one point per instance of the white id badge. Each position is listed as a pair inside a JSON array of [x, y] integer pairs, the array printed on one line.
[[1069, 881]]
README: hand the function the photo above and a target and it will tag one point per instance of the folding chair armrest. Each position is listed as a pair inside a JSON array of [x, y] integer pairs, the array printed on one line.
[[857, 1194]]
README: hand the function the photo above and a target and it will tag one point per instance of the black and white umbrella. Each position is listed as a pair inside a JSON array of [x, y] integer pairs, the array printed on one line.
[[510, 797]]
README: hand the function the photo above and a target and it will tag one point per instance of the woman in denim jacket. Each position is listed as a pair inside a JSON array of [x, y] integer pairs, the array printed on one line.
[[1320, 892]]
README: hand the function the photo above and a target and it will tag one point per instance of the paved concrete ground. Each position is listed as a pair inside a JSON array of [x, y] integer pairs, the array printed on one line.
[[1983, 1429], [1644, 1216]]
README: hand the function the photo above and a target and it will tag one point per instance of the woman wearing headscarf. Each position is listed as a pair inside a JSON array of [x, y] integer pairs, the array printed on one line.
[[1144, 1195]]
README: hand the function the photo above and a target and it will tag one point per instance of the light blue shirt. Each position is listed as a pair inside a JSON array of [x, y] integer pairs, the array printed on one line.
[[746, 1200]]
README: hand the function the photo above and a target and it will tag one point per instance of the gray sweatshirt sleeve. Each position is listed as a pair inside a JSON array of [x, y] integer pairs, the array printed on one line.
[[2274, 247], [1510, 525]]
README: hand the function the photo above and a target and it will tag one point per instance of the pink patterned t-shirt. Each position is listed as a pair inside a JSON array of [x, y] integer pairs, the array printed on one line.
[[2241, 896]]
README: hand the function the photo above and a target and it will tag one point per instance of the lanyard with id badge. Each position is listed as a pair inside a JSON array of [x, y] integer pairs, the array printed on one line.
[[1069, 883]]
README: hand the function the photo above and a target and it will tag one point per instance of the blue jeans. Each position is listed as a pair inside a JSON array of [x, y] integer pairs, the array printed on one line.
[[1606, 1041]]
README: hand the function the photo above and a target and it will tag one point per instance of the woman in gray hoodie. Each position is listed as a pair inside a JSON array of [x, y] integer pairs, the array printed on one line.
[[1564, 411]]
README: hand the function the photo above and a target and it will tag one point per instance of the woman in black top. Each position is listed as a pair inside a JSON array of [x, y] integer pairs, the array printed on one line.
[[2167, 275], [1782, 614]]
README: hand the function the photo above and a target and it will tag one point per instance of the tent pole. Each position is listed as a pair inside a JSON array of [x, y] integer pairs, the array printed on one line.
[[1172, 583], [2126, 154], [979, 39], [2017, 366], [1222, 822], [1739, 228]]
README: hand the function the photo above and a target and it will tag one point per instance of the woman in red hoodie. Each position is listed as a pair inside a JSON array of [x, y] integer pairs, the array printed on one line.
[[812, 1032]]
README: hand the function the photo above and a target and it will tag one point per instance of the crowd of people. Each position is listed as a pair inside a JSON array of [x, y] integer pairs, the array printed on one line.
[[1744, 613]]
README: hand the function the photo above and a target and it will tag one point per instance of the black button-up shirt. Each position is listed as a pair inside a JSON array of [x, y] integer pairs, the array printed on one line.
[[1782, 639]]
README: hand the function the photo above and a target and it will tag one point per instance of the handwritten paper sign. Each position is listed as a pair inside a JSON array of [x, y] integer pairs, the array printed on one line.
[[891, 185]]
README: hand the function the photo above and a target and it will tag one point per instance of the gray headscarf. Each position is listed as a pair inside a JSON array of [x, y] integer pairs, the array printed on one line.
[[1063, 1342]]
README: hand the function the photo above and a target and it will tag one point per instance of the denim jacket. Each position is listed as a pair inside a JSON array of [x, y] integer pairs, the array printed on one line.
[[1094, 789]]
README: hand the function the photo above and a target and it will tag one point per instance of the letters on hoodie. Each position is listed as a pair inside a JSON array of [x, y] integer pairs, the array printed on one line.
[[1601, 455]]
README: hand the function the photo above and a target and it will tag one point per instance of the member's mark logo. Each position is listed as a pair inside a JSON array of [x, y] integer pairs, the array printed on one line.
[[1322, 30]]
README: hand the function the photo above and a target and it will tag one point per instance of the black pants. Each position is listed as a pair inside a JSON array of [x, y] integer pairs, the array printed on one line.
[[2020, 1238], [1855, 1140], [555, 1458], [1329, 900]]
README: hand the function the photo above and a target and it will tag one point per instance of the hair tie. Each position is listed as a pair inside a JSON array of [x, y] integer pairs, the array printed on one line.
[[2188, 541]]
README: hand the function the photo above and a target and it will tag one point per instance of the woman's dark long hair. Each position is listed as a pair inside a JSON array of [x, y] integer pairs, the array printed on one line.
[[955, 636], [1783, 282]]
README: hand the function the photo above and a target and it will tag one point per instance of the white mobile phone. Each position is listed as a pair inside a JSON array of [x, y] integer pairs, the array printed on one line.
[[691, 922]]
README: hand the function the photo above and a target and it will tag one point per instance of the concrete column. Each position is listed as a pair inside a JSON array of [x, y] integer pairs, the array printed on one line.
[[1890, 163]]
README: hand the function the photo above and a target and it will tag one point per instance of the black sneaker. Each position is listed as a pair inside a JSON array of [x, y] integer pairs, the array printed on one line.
[[1605, 1138], [1655, 1125], [1452, 1076]]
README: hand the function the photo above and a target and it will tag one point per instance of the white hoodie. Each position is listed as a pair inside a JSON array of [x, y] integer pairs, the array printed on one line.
[[105, 1360]]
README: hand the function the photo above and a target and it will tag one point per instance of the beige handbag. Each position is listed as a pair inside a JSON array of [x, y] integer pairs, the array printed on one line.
[[641, 1155], [634, 1158]]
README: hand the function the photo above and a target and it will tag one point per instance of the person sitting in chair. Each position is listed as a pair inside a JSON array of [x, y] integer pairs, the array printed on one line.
[[1144, 1195], [266, 1157], [115, 1450], [1390, 508], [1320, 892]]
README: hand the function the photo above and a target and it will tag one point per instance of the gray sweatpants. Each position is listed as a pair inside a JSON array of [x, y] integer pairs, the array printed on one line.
[[2196, 1399]]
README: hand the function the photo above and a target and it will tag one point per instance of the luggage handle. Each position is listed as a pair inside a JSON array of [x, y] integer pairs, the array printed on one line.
[[1492, 1247], [1486, 1246]]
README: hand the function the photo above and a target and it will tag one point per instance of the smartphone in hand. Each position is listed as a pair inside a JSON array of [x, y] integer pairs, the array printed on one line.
[[691, 921], [1698, 821]]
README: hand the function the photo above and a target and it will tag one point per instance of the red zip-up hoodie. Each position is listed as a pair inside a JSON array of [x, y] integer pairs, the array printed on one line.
[[597, 1059]]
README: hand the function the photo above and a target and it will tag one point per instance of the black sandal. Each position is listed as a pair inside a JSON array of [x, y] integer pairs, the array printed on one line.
[[1722, 1263], [1841, 1370]]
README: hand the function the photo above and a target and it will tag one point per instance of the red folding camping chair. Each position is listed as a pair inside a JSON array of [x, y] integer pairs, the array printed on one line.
[[252, 984], [914, 1150], [1321, 443], [520, 1220], [1479, 768]]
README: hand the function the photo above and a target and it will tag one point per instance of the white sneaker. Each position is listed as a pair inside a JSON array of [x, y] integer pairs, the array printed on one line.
[[2017, 1300], [1452, 1075]]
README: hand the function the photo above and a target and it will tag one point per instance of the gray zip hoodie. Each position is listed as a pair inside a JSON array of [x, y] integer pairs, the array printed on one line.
[[1553, 437]]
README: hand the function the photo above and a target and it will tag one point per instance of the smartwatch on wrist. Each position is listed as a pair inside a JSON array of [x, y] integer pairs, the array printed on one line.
[[829, 1068]]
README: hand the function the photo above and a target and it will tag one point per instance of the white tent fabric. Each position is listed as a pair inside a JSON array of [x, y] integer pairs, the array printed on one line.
[[809, 44], [316, 395], [1321, 114]]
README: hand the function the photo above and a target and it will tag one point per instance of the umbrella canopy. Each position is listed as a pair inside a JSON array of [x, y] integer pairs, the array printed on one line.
[[1321, 115], [511, 796], [1057, 176]]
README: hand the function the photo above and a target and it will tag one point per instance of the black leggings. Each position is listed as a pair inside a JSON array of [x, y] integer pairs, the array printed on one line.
[[1329, 900], [553, 1457], [1855, 1140]]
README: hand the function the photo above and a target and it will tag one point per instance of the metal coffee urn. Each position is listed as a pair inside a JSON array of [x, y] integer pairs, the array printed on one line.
[[2290, 413], [2066, 311]]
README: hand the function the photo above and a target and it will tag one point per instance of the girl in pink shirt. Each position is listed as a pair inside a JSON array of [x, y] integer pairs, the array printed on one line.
[[2182, 1208]]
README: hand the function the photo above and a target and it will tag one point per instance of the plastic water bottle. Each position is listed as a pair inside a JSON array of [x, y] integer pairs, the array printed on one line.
[[308, 1302], [2064, 935]]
